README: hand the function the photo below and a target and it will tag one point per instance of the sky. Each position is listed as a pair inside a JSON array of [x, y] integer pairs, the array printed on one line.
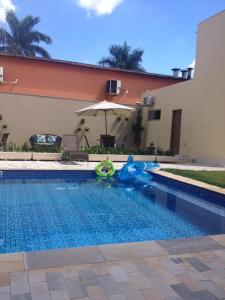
[[83, 30]]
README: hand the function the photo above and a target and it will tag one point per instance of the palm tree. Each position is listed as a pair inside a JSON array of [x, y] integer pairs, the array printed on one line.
[[22, 38], [124, 58]]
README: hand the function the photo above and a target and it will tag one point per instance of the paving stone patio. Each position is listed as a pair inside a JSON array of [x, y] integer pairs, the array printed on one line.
[[178, 269]]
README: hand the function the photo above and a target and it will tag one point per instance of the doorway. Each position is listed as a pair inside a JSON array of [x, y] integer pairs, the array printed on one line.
[[176, 131]]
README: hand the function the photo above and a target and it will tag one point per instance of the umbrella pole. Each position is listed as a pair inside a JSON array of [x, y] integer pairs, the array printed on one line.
[[106, 126], [106, 132]]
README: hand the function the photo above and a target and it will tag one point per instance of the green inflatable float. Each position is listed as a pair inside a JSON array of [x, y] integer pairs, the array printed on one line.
[[105, 169]]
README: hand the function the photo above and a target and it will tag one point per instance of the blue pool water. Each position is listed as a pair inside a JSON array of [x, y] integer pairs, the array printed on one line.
[[59, 209]]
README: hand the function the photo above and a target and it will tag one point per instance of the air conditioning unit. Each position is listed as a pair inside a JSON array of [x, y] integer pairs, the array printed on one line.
[[1, 74], [150, 100], [113, 87]]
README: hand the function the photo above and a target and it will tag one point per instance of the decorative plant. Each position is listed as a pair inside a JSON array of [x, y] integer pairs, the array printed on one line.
[[87, 128], [119, 118], [127, 119], [4, 126], [160, 151], [138, 128], [78, 129], [152, 148], [121, 150], [25, 147]]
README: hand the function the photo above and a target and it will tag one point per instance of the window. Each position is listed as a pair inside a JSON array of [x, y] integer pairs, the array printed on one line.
[[154, 114]]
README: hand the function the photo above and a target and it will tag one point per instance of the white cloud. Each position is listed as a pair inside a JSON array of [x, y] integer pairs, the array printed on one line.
[[5, 5], [99, 7]]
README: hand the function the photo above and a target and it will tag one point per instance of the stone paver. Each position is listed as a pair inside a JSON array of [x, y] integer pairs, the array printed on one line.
[[131, 250], [190, 245], [119, 275], [39, 291], [165, 270], [5, 293], [88, 277], [96, 293], [11, 262], [58, 258], [108, 284], [75, 288], [60, 295], [55, 281], [4, 279], [19, 283]]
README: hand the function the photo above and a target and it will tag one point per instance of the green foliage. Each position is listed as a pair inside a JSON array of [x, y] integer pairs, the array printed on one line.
[[25, 147], [211, 177], [152, 148], [46, 148], [22, 38], [122, 57], [160, 151], [12, 147], [119, 150], [138, 128]]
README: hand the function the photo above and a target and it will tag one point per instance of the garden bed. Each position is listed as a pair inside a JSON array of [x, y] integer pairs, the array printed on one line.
[[45, 156]]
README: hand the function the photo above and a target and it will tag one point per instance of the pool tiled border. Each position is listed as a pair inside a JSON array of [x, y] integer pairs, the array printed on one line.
[[197, 183], [42, 165]]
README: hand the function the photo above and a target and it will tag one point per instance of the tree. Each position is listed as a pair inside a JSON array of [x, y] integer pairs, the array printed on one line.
[[138, 128], [123, 57], [22, 38]]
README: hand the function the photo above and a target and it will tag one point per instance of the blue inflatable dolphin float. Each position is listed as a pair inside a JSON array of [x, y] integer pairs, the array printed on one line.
[[137, 171]]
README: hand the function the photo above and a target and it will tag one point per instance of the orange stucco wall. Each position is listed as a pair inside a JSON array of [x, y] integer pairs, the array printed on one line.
[[63, 80]]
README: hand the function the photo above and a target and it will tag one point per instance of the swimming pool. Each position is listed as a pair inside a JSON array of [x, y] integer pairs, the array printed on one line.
[[59, 209]]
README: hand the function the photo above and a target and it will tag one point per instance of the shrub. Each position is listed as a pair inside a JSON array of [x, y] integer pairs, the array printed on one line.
[[121, 151]]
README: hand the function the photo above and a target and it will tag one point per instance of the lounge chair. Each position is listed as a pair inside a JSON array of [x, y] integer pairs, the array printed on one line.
[[4, 139], [121, 143], [71, 149]]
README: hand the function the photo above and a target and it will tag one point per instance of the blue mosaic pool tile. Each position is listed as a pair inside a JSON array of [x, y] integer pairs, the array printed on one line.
[[57, 209]]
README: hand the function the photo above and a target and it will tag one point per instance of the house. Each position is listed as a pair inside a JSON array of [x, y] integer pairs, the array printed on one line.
[[189, 118], [41, 96]]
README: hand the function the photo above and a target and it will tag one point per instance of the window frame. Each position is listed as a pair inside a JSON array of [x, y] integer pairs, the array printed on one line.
[[154, 110]]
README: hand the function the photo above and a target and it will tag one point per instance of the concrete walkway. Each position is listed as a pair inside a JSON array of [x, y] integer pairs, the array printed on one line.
[[173, 270]]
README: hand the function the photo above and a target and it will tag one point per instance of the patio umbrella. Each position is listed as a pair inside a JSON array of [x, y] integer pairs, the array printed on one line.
[[106, 108]]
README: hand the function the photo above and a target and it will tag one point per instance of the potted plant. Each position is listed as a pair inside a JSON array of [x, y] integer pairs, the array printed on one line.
[[152, 148]]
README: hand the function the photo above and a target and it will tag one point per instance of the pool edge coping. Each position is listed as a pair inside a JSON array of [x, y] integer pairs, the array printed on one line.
[[106, 253], [200, 184]]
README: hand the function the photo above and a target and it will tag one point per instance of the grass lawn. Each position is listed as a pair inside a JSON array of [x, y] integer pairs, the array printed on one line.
[[211, 177]]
